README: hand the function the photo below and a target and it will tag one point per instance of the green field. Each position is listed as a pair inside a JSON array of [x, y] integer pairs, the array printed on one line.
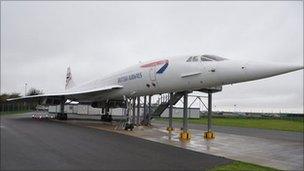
[[296, 125], [241, 166], [14, 112], [263, 123]]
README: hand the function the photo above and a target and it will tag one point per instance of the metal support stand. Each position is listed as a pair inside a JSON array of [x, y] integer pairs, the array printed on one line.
[[149, 111], [185, 135], [133, 110], [107, 110], [170, 127], [129, 125], [145, 111], [209, 134], [127, 111], [138, 111], [209, 110]]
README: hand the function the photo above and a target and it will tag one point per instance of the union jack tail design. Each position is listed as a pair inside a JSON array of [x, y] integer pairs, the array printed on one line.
[[69, 83], [163, 63]]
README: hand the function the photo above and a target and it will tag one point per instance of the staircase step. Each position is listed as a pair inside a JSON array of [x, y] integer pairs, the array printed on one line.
[[162, 107]]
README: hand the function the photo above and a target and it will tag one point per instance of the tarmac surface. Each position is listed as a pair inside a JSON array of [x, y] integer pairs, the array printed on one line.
[[277, 149], [29, 144], [252, 132]]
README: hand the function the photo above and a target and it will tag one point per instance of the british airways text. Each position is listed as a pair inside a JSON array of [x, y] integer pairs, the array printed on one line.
[[129, 77]]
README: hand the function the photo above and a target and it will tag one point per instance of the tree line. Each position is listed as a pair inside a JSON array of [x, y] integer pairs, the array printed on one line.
[[31, 92]]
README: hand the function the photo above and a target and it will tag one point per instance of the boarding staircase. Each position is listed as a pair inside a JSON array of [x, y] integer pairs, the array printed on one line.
[[164, 104]]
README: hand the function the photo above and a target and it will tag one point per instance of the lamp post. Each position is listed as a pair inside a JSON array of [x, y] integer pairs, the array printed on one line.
[[234, 109], [25, 86]]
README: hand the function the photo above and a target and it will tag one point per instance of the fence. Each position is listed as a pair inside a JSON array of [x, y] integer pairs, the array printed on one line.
[[13, 106]]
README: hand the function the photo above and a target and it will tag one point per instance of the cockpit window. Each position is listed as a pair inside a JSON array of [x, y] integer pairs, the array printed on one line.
[[203, 59], [189, 59], [192, 59], [213, 57]]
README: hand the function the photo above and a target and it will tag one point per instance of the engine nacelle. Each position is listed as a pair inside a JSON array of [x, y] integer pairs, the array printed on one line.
[[109, 104]]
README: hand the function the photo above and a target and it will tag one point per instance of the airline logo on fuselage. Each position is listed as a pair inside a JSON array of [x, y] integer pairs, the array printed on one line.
[[129, 77], [163, 63]]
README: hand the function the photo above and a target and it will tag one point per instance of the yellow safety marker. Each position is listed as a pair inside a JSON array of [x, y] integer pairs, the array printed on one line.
[[170, 129], [209, 135], [184, 136]]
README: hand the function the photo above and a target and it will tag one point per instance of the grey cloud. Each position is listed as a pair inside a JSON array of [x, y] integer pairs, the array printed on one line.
[[40, 39]]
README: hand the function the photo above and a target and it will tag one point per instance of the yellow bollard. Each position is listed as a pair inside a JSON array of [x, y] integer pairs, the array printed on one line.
[[209, 135], [170, 129], [185, 136]]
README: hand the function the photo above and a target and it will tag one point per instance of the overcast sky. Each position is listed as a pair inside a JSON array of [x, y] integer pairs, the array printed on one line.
[[40, 39]]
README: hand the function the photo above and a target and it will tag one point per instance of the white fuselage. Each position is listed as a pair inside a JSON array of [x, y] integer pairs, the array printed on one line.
[[176, 74]]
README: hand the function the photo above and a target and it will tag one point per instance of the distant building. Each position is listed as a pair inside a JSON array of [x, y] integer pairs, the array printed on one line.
[[88, 110], [178, 113]]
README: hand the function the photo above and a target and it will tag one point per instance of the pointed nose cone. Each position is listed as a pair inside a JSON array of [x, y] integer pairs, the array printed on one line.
[[290, 68], [263, 70]]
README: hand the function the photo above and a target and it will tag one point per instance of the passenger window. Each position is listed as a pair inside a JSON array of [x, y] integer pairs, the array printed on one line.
[[189, 59], [194, 59]]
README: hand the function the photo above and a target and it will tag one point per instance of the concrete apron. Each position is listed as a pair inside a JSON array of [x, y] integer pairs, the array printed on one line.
[[279, 154]]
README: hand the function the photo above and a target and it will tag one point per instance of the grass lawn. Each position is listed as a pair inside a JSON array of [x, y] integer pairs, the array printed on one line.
[[275, 124], [238, 166], [14, 112]]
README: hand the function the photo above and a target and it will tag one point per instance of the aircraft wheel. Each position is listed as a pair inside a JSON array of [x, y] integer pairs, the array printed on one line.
[[62, 116], [106, 118], [129, 126]]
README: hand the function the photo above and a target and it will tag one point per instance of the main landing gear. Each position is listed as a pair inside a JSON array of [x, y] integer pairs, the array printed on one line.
[[61, 116], [106, 117]]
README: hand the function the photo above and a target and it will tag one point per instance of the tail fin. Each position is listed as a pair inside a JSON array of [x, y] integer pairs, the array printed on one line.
[[69, 83]]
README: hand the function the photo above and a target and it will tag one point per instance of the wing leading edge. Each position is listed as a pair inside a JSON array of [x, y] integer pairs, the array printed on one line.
[[71, 94]]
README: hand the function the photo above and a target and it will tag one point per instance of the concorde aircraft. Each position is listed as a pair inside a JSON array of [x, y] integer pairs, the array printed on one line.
[[172, 74]]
